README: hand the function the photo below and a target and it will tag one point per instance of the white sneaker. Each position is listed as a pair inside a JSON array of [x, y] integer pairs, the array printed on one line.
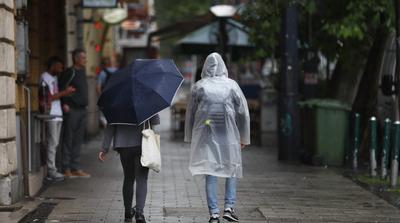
[[56, 177], [214, 218]]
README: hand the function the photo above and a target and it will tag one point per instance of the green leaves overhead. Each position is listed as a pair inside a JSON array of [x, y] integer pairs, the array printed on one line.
[[171, 11], [264, 20], [323, 24], [359, 18]]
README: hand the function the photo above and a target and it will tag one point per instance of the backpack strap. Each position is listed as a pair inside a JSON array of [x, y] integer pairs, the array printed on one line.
[[71, 78], [108, 75]]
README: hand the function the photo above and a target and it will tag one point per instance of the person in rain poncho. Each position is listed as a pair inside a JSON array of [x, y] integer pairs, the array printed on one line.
[[218, 126]]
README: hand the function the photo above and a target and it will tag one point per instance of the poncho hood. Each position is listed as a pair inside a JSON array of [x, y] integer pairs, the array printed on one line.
[[214, 66]]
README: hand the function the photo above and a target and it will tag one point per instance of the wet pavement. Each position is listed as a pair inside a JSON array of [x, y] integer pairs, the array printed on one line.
[[269, 192]]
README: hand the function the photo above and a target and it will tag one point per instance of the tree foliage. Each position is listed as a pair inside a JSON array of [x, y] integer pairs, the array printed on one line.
[[331, 23], [171, 11], [264, 20]]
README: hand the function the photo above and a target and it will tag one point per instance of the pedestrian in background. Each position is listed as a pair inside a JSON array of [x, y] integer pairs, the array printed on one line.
[[106, 71], [74, 107], [127, 141], [218, 127], [49, 79]]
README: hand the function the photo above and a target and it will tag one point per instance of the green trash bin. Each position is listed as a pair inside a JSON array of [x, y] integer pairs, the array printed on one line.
[[326, 132]]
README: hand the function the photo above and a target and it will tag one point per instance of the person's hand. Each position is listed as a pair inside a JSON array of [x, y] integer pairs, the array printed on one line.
[[65, 108], [69, 90], [242, 146], [102, 156]]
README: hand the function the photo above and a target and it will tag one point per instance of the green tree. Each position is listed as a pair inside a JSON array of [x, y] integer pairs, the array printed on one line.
[[341, 29], [331, 23], [170, 12], [353, 32]]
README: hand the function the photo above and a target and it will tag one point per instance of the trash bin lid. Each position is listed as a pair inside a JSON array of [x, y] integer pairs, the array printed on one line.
[[308, 103], [332, 104], [325, 103]]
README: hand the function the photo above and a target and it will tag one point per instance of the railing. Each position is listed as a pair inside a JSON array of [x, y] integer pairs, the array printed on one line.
[[390, 146]]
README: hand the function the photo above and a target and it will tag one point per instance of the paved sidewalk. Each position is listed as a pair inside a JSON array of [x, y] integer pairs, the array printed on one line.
[[269, 192]]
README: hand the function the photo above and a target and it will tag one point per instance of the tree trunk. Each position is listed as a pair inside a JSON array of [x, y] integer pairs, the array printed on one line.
[[348, 72], [366, 100]]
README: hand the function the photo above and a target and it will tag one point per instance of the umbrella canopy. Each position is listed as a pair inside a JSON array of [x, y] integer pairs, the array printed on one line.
[[139, 91]]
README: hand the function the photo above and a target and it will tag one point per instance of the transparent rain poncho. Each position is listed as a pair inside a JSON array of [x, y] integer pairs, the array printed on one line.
[[217, 122]]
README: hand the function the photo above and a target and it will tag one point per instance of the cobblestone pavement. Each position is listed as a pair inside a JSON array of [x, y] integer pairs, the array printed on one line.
[[269, 192]]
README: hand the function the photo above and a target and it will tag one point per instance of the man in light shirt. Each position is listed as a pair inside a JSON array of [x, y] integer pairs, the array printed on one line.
[[49, 79]]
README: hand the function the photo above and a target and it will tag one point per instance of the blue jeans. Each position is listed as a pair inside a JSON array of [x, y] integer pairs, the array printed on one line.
[[211, 190]]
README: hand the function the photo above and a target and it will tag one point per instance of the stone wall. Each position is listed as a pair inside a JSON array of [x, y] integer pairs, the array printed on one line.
[[8, 149]]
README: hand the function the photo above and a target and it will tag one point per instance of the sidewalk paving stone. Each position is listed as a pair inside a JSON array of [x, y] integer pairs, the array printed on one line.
[[270, 191]]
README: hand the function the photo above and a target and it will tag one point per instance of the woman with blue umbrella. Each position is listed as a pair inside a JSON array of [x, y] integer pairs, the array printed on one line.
[[126, 140], [131, 99]]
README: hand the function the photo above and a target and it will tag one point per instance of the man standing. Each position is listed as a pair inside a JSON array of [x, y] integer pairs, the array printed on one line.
[[49, 79], [74, 107]]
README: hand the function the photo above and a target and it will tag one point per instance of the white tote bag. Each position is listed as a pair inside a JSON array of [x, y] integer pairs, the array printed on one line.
[[151, 155]]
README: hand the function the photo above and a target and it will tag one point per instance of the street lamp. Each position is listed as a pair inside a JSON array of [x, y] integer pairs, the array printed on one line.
[[223, 12]]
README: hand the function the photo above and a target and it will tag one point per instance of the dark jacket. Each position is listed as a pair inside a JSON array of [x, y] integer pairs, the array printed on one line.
[[77, 79], [123, 136]]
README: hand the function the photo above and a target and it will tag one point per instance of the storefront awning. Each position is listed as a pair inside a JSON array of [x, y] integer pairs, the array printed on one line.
[[204, 40]]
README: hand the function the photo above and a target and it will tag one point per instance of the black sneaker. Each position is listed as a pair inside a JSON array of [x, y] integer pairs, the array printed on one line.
[[230, 215], [133, 211], [139, 216], [128, 218], [129, 215], [214, 218]]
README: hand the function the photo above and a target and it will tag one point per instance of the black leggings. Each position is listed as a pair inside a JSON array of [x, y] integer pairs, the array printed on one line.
[[130, 160]]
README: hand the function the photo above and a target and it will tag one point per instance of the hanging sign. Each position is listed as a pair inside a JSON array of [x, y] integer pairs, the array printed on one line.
[[99, 3], [115, 16]]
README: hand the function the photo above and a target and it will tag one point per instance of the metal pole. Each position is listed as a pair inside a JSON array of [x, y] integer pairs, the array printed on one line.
[[356, 145], [224, 38], [397, 69], [373, 145], [395, 164], [395, 155], [79, 26], [26, 149], [289, 129], [385, 148]]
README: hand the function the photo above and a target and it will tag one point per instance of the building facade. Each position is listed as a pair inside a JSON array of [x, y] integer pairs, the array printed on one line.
[[30, 32], [8, 142]]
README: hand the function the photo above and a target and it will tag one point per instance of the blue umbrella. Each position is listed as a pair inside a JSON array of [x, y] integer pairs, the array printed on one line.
[[137, 92]]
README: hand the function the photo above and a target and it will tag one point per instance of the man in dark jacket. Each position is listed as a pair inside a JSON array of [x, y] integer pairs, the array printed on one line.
[[74, 107]]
